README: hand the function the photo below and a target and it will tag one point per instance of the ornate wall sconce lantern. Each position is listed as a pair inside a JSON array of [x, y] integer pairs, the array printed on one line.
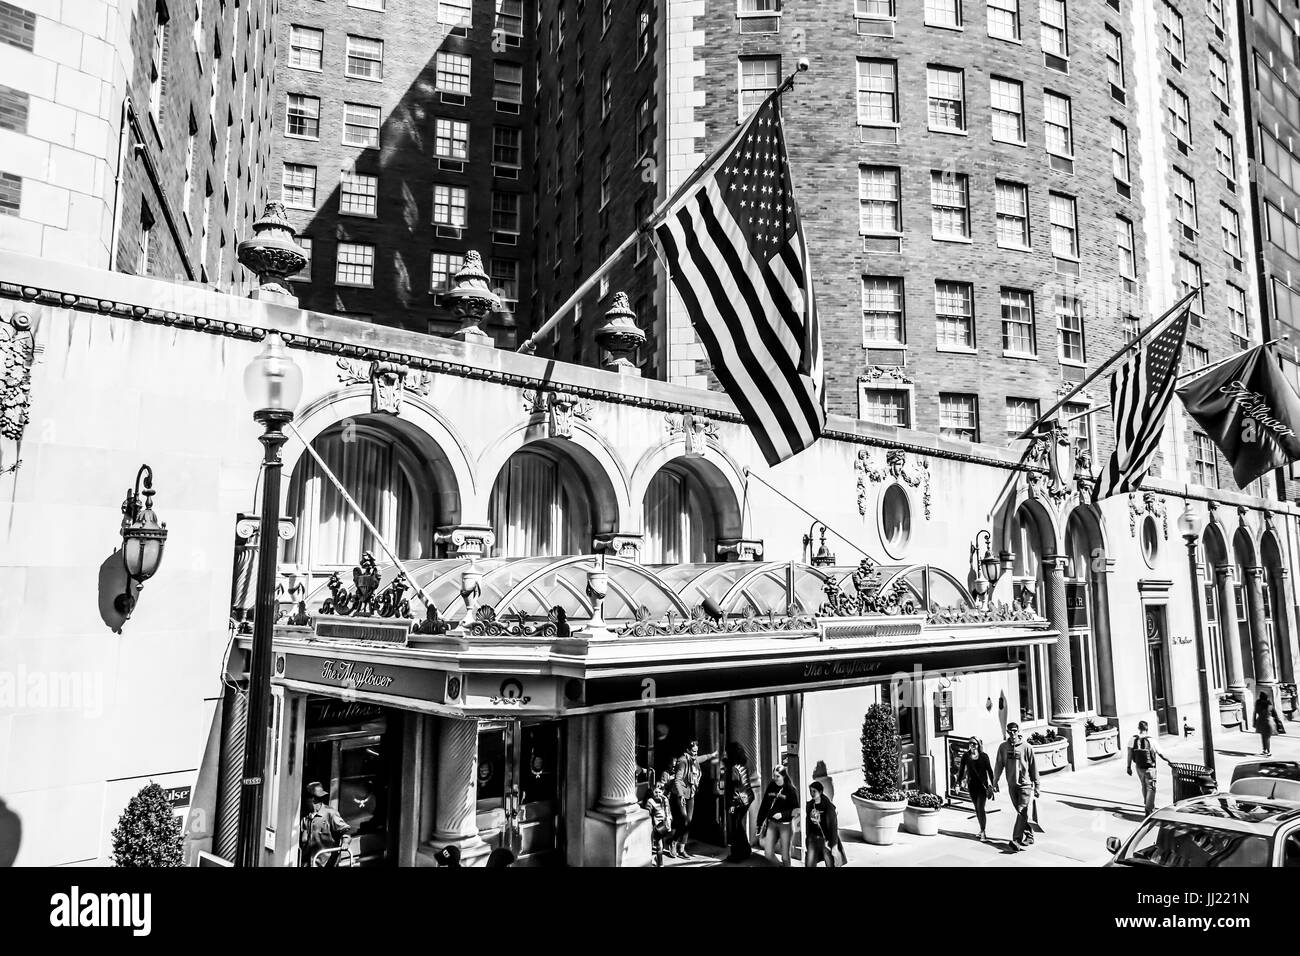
[[143, 538], [986, 567]]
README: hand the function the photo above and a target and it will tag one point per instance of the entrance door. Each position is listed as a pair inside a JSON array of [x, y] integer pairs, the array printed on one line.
[[518, 788], [357, 764], [1158, 663]]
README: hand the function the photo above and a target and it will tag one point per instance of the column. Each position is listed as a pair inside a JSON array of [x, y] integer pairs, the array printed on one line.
[[455, 814], [742, 727], [1265, 678], [1231, 637], [1284, 639], [1100, 623], [617, 828], [1069, 723], [1058, 653]]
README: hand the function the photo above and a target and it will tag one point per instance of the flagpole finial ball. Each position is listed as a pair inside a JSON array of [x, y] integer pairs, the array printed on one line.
[[803, 64]]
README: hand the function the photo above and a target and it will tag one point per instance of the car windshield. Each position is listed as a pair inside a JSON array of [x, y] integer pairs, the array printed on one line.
[[1177, 844]]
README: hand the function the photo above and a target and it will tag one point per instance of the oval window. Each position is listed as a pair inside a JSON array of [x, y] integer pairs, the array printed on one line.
[[895, 520], [1150, 541]]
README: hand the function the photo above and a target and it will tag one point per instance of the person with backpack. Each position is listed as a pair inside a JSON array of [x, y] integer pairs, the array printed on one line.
[[1143, 752]]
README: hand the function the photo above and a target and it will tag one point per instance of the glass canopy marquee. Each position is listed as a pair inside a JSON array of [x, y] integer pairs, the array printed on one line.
[[532, 586]]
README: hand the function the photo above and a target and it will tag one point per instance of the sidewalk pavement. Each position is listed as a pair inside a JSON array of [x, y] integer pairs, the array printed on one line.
[[1078, 811]]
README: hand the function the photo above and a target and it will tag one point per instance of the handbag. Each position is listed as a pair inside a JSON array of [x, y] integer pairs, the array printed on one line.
[[1281, 727]]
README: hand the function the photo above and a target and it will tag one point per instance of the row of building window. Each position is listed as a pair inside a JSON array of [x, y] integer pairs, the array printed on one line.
[[884, 320], [959, 414], [354, 265], [458, 14], [363, 56]]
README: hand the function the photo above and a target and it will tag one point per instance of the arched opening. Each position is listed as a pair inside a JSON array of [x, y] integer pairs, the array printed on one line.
[[389, 479], [688, 507], [1243, 551], [1216, 599], [1084, 551], [546, 502], [1029, 545], [1275, 608]]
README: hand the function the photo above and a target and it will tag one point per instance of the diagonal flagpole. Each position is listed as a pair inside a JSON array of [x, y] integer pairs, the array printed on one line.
[[660, 212], [1046, 416]]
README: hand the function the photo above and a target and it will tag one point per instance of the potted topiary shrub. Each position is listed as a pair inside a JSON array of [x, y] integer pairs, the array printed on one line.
[[881, 802], [922, 814], [148, 833]]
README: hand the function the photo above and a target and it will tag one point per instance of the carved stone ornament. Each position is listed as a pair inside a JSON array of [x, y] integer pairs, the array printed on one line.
[[272, 255], [870, 466], [365, 599], [466, 541], [17, 352], [1151, 504], [388, 380], [698, 431], [620, 545], [1056, 452], [889, 374], [559, 408]]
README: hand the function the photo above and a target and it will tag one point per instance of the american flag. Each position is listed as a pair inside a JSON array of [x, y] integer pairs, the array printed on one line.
[[1140, 392], [737, 255]]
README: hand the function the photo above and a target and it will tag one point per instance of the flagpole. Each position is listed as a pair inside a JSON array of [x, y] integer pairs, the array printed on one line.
[[1194, 373], [659, 212], [1108, 363]]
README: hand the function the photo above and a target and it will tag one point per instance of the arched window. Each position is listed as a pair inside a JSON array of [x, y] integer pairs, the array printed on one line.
[[1027, 589], [541, 506], [383, 476], [1080, 605], [679, 521]]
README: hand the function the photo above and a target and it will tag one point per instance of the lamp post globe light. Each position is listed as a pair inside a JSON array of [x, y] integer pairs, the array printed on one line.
[[1189, 526], [273, 384]]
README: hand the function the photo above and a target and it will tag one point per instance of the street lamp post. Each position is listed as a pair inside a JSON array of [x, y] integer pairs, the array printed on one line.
[[273, 383], [1189, 526]]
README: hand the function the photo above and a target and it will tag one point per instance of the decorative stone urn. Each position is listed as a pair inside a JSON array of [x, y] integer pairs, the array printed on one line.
[[272, 255], [879, 819], [1053, 755], [472, 300], [1230, 712], [619, 337], [1103, 745]]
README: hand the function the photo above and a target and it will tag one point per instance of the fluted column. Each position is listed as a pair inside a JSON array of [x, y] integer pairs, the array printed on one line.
[[457, 764], [1058, 653], [617, 761], [742, 727], [1229, 634], [1265, 677], [1100, 624]]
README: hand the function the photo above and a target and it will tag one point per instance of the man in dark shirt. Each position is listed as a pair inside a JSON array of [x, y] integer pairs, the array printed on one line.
[[321, 829]]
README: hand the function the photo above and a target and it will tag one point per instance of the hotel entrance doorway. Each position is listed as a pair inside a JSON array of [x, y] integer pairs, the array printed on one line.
[[662, 734], [353, 751], [519, 788]]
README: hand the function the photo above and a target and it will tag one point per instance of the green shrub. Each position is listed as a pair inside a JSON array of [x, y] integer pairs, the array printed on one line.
[[924, 801], [880, 754], [148, 833]]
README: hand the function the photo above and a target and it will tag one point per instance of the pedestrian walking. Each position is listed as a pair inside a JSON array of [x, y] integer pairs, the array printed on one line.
[[821, 828], [739, 794], [975, 775], [661, 821], [321, 828], [1266, 721], [776, 815], [686, 784], [823, 776], [1016, 758], [1143, 751]]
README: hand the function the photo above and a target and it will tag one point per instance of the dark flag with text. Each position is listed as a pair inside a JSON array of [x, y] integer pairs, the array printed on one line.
[[1250, 411], [737, 255]]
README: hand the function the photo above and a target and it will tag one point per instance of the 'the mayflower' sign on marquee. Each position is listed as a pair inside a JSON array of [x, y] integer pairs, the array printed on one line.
[[1250, 411]]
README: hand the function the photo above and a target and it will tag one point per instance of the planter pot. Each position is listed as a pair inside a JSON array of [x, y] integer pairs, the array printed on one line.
[[1288, 704], [1104, 744], [1052, 757], [921, 821], [879, 819], [1230, 714]]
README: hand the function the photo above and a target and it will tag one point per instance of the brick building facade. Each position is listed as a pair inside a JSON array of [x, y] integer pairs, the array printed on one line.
[[403, 141], [135, 137]]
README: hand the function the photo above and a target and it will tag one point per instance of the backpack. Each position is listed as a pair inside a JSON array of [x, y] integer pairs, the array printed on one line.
[[1143, 755]]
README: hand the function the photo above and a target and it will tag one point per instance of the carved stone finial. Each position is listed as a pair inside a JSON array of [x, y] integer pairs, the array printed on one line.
[[619, 336], [17, 352], [472, 300], [272, 255]]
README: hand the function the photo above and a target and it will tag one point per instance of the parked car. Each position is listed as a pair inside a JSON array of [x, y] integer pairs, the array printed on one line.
[[1216, 830], [1268, 779]]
